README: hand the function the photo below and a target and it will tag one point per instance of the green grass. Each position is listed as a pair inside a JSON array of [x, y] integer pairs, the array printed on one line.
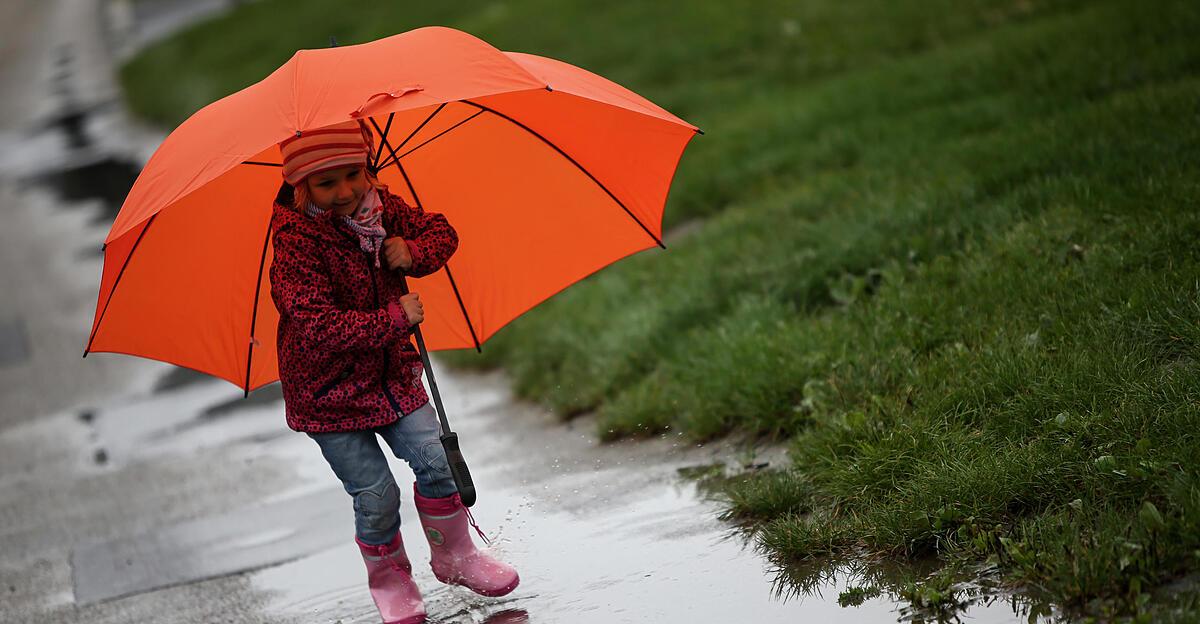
[[946, 250]]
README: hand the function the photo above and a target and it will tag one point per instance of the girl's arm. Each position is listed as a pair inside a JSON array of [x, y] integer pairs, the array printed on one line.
[[301, 291], [430, 237]]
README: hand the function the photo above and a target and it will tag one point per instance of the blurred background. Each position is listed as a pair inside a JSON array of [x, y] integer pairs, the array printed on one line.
[[922, 345]]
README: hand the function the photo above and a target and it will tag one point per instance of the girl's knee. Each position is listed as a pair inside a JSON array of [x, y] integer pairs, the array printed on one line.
[[434, 480], [378, 509], [434, 456]]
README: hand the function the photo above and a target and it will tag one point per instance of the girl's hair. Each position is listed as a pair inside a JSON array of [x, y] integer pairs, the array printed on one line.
[[300, 195]]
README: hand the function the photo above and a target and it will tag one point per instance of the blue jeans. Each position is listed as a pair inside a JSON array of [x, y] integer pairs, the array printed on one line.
[[359, 463]]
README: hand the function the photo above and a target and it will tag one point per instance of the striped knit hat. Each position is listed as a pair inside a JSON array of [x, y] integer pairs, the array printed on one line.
[[313, 151]]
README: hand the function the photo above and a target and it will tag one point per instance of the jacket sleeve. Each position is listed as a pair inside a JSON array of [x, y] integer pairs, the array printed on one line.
[[303, 293], [430, 237]]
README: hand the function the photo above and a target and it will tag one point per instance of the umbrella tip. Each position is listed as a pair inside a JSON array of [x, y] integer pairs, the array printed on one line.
[[332, 41], [699, 131]]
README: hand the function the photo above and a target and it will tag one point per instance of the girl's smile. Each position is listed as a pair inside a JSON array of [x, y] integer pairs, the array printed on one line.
[[339, 190]]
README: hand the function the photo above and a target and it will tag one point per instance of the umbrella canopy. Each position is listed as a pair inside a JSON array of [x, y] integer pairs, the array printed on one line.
[[548, 173]]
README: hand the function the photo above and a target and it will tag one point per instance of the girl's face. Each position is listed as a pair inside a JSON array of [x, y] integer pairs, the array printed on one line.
[[339, 190]]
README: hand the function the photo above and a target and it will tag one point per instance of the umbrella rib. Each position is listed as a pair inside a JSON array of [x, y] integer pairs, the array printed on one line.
[[118, 283], [383, 133], [573, 162], [379, 153], [418, 128], [470, 326], [261, 164], [396, 159], [414, 132], [254, 311]]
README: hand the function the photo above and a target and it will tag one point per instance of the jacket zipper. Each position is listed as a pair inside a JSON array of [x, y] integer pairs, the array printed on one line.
[[383, 375]]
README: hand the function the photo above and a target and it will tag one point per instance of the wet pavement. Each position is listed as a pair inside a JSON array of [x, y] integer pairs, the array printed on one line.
[[131, 491]]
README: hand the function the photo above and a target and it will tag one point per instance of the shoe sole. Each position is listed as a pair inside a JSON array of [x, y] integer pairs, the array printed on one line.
[[490, 593], [416, 619]]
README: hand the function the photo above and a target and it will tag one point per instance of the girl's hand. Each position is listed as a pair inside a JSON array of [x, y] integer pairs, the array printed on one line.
[[411, 303], [396, 252]]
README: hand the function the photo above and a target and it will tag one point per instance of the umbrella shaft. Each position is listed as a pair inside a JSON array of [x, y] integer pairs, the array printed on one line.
[[433, 387], [437, 396]]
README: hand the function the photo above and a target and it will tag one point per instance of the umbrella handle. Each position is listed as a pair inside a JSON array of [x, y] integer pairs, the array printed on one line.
[[397, 93], [454, 456], [458, 469]]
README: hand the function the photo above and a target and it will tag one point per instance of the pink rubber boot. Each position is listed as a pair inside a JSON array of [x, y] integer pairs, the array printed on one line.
[[389, 575], [455, 560]]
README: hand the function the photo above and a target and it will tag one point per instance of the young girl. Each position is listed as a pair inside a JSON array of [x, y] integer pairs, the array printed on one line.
[[348, 369]]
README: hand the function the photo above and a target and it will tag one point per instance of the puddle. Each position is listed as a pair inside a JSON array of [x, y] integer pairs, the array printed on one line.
[[979, 599], [178, 377], [608, 534], [923, 590], [106, 178], [659, 560], [263, 396], [650, 562], [75, 154]]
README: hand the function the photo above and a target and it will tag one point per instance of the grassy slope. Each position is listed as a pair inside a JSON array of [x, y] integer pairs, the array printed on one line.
[[949, 251]]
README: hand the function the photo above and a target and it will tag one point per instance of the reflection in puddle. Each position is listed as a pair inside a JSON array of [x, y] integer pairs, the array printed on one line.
[[924, 590]]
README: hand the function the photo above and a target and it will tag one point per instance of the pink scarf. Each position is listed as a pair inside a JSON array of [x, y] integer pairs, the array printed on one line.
[[366, 221]]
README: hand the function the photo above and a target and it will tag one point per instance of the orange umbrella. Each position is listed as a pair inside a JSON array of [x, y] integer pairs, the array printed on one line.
[[547, 172]]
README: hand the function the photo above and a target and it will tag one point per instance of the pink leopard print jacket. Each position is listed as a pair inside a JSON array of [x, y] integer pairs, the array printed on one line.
[[344, 364]]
